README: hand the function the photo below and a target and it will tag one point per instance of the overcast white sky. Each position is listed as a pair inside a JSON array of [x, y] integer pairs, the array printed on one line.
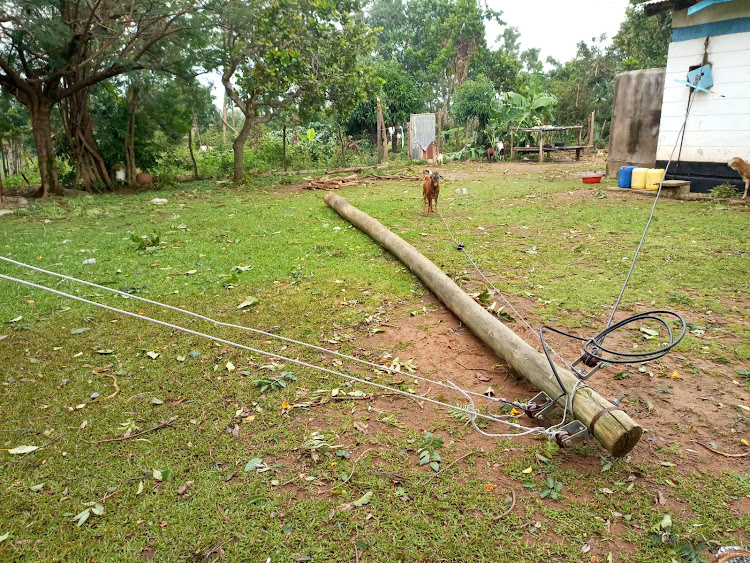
[[556, 26]]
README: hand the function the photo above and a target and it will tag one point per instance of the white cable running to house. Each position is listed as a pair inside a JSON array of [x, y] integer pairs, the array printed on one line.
[[258, 331], [524, 429]]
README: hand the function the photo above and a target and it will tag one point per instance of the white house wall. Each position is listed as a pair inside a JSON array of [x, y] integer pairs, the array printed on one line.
[[718, 129]]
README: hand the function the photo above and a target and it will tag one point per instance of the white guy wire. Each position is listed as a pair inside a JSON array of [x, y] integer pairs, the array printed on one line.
[[257, 331], [524, 429]]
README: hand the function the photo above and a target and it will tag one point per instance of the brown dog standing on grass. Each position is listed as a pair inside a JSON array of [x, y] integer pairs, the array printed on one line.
[[490, 154], [430, 191], [743, 168]]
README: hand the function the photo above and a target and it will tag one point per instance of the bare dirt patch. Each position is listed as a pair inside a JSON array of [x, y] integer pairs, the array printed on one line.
[[679, 411]]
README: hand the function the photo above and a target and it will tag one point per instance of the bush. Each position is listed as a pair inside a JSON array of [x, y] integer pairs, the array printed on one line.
[[726, 190]]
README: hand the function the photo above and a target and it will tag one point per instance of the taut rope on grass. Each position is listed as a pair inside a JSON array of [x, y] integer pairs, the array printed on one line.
[[473, 414]]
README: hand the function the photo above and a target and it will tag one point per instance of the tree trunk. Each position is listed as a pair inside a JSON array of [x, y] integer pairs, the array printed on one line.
[[192, 156], [394, 143], [40, 112], [283, 147], [342, 140], [3, 161], [378, 140], [91, 170], [238, 146], [130, 137], [224, 119]]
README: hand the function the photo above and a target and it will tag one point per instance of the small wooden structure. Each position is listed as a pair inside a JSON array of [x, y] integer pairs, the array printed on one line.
[[540, 147], [422, 136]]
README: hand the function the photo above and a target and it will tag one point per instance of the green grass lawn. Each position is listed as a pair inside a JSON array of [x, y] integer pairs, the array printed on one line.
[[564, 247]]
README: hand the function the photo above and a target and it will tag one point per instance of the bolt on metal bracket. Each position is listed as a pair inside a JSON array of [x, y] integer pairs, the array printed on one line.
[[572, 433], [582, 374], [539, 405]]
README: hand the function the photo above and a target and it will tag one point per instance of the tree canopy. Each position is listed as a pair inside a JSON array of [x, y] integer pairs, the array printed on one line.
[[109, 82]]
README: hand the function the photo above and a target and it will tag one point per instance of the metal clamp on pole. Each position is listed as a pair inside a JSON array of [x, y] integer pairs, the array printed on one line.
[[588, 360], [539, 405], [572, 433]]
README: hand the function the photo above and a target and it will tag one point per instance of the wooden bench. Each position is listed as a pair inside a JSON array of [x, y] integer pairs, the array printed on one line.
[[548, 150]]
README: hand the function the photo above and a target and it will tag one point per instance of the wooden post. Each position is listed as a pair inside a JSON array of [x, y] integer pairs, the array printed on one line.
[[439, 144], [408, 138], [580, 132], [511, 144], [283, 146], [466, 139], [541, 152], [378, 136], [614, 429], [383, 131]]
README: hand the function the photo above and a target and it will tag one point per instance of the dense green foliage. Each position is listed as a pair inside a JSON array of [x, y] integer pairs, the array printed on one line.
[[115, 108]]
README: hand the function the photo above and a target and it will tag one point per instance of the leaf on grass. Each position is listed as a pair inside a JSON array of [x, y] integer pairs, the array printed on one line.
[[181, 358], [82, 517], [20, 450], [230, 367], [194, 353], [253, 464], [248, 302], [105, 352], [98, 509], [365, 499], [156, 401], [361, 426], [5, 536], [19, 318], [79, 330], [140, 488], [153, 355], [162, 474], [36, 488]]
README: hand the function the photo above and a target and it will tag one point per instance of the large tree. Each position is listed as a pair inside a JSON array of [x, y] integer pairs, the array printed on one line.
[[642, 42], [280, 52], [52, 50], [475, 98]]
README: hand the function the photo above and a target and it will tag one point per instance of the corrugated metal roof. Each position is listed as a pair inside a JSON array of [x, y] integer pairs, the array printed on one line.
[[424, 129], [653, 7]]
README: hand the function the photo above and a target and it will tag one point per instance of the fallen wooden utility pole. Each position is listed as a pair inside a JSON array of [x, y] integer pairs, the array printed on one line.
[[609, 424]]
